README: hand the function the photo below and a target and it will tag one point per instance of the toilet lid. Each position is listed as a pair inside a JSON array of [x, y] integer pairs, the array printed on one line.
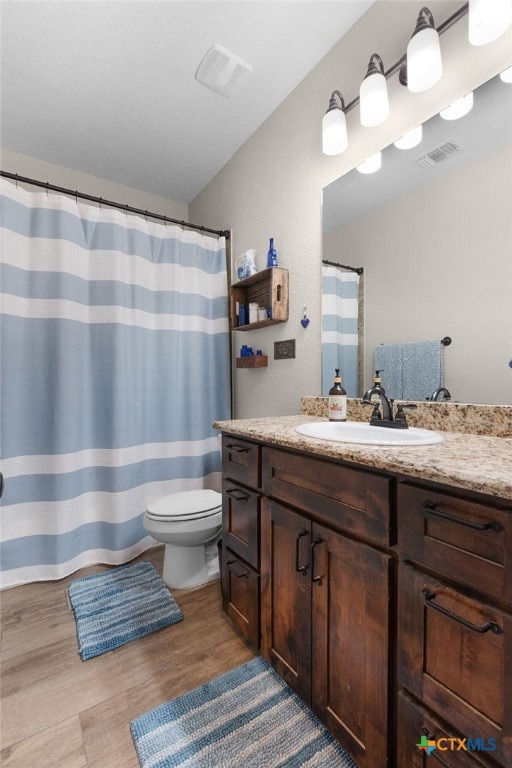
[[187, 505]]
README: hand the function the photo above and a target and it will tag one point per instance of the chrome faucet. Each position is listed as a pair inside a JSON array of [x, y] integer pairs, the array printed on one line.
[[440, 391]]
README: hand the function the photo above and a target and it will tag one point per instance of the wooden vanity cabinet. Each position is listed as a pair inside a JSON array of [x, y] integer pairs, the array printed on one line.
[[454, 614], [325, 596], [240, 554], [385, 603]]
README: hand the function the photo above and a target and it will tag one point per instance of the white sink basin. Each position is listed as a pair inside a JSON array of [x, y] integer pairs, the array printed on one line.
[[357, 432]]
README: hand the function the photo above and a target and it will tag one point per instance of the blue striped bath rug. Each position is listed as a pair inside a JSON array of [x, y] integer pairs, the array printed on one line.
[[117, 606], [248, 717]]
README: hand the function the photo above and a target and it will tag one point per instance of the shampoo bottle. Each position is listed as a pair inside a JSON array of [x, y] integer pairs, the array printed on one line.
[[337, 400]]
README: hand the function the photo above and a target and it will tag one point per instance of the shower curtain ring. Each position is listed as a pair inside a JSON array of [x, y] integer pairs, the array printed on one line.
[[16, 180], [47, 187]]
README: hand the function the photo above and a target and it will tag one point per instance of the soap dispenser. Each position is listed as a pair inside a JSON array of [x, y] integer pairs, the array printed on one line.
[[337, 400]]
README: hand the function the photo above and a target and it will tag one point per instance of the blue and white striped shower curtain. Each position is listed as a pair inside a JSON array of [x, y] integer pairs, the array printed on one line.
[[114, 363], [340, 334]]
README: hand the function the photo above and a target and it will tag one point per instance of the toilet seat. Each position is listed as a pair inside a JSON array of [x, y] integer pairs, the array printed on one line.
[[187, 505]]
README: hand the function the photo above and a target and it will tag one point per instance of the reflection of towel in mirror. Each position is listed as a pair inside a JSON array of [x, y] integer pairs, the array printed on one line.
[[422, 369], [388, 359], [410, 371]]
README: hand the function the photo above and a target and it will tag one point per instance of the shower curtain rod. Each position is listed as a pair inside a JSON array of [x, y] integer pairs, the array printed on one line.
[[359, 270], [101, 201]]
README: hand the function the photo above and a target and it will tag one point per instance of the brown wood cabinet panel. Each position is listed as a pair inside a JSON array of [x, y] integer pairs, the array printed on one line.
[[350, 621], [269, 289], [455, 655], [348, 499], [241, 521], [241, 460], [286, 595], [452, 751], [240, 594], [460, 538]]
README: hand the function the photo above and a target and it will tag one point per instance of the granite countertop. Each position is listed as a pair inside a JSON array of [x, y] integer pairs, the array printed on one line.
[[468, 461]]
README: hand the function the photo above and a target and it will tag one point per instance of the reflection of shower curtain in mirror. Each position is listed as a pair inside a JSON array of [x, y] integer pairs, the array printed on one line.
[[340, 338]]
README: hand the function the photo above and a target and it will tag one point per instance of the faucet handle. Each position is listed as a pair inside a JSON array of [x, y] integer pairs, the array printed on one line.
[[376, 414], [400, 415]]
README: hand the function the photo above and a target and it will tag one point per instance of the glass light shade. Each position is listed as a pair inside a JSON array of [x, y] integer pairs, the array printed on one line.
[[459, 108], [506, 75], [424, 66], [488, 20], [371, 165], [374, 102], [334, 132], [410, 139]]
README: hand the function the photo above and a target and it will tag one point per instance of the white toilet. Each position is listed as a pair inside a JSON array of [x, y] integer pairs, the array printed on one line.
[[185, 522]]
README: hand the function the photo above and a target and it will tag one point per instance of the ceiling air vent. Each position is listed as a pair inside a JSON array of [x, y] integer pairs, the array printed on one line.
[[222, 71], [438, 154]]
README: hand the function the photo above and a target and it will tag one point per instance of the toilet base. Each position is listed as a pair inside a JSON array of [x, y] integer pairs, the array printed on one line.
[[186, 567]]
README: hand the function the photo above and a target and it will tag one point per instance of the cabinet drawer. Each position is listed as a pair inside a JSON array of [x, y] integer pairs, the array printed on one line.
[[454, 654], [241, 460], [349, 499], [457, 537], [240, 594], [417, 723], [241, 521]]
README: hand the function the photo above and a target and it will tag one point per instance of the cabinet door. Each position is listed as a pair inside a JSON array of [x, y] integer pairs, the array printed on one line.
[[240, 594], [455, 654], [286, 595], [350, 617]]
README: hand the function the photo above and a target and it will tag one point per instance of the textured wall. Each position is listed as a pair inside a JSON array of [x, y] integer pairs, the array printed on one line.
[[60, 176], [272, 186]]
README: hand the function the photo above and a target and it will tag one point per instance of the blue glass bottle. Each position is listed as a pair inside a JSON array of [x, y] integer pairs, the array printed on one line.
[[272, 254]]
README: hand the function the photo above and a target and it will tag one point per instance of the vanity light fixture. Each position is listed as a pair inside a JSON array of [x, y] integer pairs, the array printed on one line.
[[506, 75], [373, 94], [334, 126], [410, 139], [419, 68], [424, 65], [371, 164], [459, 108], [488, 19]]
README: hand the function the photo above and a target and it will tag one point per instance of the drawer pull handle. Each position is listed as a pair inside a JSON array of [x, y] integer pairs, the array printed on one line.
[[236, 494], [431, 509], [488, 626], [300, 568], [236, 449], [315, 579], [243, 574]]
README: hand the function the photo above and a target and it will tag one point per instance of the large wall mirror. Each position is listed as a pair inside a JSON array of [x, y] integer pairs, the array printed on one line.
[[433, 231]]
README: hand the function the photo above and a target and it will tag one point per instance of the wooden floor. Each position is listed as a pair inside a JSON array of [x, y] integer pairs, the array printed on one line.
[[60, 712]]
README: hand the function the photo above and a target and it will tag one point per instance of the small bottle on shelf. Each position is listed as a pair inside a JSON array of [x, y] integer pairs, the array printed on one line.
[[272, 254], [337, 400]]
